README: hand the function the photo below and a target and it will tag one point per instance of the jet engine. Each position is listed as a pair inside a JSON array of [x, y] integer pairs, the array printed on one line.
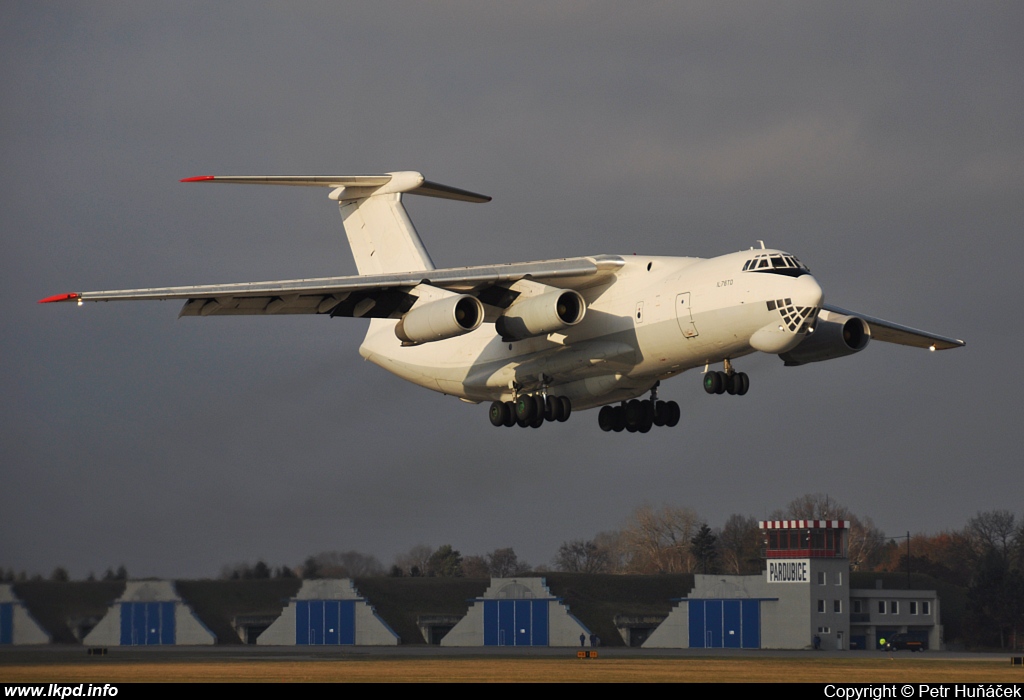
[[437, 320], [834, 337], [541, 314]]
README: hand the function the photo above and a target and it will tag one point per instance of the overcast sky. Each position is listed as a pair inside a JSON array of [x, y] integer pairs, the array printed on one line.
[[882, 143]]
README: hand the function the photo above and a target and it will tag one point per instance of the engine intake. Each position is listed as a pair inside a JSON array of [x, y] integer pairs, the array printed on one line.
[[542, 314], [838, 336], [439, 320]]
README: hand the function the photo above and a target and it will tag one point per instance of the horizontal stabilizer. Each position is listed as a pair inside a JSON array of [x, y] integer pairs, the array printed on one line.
[[367, 185]]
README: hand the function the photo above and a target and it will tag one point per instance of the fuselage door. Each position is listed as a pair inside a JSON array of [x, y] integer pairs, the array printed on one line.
[[684, 315]]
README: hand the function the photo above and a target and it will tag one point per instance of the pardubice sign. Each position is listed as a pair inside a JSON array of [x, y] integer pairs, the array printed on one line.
[[788, 571]]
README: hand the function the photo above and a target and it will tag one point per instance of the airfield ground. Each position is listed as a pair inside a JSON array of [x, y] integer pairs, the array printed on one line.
[[431, 664]]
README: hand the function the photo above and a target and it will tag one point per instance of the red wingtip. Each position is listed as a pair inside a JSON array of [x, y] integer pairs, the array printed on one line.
[[60, 297], [201, 178]]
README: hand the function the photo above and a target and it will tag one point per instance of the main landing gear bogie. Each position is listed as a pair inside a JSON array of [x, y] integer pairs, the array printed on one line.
[[638, 416], [530, 411]]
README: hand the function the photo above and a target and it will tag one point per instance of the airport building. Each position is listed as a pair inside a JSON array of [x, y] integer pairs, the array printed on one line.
[[517, 612], [17, 626], [328, 612], [149, 613], [801, 600]]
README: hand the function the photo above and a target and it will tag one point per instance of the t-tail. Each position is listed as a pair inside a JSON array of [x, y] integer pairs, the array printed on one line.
[[381, 235]]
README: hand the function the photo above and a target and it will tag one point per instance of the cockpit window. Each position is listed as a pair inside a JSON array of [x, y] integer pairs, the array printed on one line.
[[776, 263]]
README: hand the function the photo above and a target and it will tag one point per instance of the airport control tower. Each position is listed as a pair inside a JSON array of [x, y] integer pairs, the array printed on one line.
[[810, 556]]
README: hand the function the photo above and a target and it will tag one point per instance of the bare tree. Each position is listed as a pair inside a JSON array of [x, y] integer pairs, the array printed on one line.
[[865, 544], [658, 540], [342, 565], [583, 557], [502, 563], [740, 543], [414, 562]]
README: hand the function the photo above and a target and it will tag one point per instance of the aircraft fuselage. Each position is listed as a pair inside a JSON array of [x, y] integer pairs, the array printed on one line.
[[655, 318]]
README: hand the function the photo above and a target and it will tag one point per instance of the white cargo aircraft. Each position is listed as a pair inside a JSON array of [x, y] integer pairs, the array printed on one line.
[[538, 339]]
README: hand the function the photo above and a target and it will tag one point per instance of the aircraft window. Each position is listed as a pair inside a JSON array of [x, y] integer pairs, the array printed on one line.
[[789, 302], [777, 261], [771, 305], [762, 264], [747, 265]]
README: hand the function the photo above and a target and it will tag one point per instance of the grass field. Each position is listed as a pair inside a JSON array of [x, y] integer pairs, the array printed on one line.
[[708, 670]]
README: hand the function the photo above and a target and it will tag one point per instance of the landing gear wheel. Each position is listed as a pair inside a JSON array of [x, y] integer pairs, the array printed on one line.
[[510, 414], [538, 421], [712, 383], [606, 418], [744, 383], [633, 414], [646, 417], [660, 411], [552, 408], [620, 418], [498, 413], [672, 414], [723, 380], [566, 408], [526, 409], [733, 383]]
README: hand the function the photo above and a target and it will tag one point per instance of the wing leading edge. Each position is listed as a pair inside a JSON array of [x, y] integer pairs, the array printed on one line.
[[890, 332], [366, 296]]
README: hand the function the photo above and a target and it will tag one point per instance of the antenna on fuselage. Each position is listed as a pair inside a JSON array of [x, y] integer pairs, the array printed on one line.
[[761, 242]]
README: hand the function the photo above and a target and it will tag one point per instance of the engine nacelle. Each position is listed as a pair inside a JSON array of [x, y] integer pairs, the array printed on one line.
[[437, 320], [836, 337], [541, 314]]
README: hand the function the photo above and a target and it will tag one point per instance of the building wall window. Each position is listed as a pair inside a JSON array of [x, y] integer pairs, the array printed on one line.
[[837, 606], [913, 607], [821, 605], [894, 607], [881, 607], [821, 578], [926, 607], [839, 578]]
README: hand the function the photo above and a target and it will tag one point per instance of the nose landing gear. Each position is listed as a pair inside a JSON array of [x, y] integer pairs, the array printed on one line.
[[730, 381]]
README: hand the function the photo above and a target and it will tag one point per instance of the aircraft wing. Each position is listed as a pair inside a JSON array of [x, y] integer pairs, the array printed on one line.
[[365, 296], [890, 332]]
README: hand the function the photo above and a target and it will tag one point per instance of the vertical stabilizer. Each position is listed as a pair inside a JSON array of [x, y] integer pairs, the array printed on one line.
[[381, 235]]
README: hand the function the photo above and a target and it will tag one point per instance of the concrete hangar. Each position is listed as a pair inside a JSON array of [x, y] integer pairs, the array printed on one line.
[[802, 599]]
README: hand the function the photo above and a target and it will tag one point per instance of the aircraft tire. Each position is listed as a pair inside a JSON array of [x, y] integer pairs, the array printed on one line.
[[660, 412], [498, 413], [538, 421], [732, 384], [672, 414], [723, 380], [526, 409], [634, 411], [646, 418], [566, 409], [712, 382], [552, 408], [510, 414], [606, 418], [619, 416], [744, 383]]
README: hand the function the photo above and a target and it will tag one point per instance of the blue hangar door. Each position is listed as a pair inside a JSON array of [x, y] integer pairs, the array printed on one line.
[[325, 622], [147, 623], [516, 623], [725, 624], [6, 623]]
